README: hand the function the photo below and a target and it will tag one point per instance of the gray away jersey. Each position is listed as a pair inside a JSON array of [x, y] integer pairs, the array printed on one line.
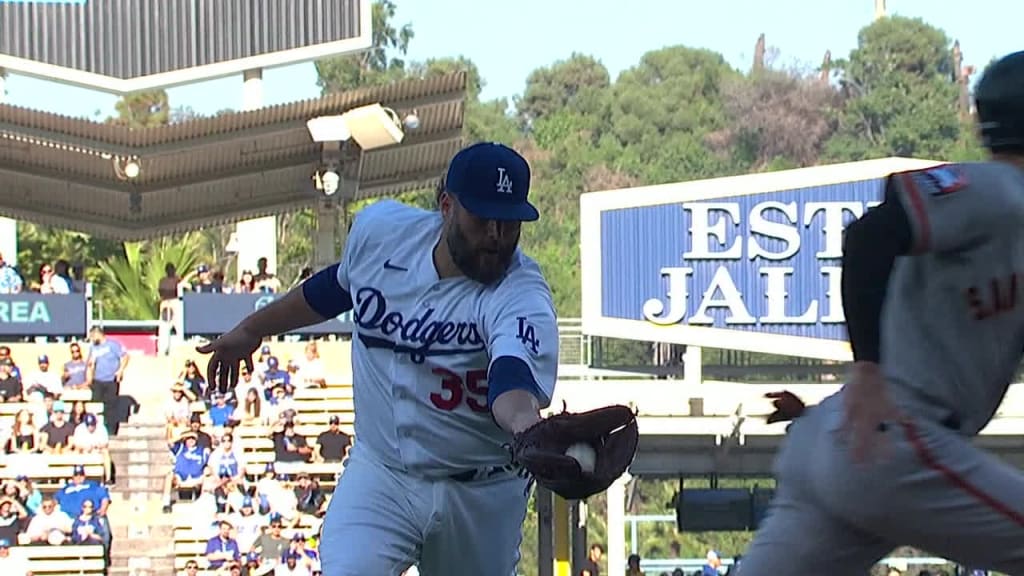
[[422, 346], [953, 321]]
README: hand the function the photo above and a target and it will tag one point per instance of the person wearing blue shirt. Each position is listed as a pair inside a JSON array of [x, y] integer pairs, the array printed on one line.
[[222, 547], [220, 412], [73, 494], [190, 461], [104, 372], [274, 376]]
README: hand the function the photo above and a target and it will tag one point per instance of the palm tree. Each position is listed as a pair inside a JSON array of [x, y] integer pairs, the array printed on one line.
[[130, 280]]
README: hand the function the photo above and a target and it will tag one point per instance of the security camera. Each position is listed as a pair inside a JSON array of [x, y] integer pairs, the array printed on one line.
[[411, 121], [330, 180]]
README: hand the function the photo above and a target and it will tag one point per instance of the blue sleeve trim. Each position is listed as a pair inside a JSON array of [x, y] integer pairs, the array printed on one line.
[[510, 373], [324, 295]]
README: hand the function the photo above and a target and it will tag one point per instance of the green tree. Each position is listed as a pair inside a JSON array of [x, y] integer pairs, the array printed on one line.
[[577, 84], [130, 279], [901, 99], [142, 109], [381, 64]]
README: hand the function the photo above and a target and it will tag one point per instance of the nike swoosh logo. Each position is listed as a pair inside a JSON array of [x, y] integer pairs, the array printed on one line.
[[389, 266]]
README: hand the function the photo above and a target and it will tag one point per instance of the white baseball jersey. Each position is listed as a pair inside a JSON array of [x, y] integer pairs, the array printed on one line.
[[422, 346], [953, 323]]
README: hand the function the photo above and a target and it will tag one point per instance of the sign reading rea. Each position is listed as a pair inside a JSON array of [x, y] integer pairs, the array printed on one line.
[[121, 46], [747, 263]]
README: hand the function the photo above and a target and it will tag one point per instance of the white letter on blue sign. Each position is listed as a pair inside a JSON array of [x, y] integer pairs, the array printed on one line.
[[730, 299], [834, 314], [654, 309], [702, 230], [835, 214], [783, 231], [776, 294]]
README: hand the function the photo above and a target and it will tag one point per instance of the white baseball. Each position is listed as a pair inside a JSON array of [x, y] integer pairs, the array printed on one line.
[[585, 455]]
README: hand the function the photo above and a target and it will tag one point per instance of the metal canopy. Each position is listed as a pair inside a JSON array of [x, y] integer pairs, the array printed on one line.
[[62, 171]]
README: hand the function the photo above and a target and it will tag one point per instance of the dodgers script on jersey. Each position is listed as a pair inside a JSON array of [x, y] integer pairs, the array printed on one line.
[[422, 345], [953, 323]]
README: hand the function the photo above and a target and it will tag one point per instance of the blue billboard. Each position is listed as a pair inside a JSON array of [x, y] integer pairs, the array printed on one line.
[[208, 314], [32, 314], [750, 263]]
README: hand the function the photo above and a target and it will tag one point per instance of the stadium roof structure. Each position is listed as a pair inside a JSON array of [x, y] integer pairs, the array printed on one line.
[[69, 172]]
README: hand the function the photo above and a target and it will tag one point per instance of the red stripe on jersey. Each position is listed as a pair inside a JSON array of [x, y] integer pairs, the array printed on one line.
[[954, 478], [924, 231]]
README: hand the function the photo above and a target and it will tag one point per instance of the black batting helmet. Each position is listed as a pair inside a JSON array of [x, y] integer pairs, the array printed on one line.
[[999, 98]]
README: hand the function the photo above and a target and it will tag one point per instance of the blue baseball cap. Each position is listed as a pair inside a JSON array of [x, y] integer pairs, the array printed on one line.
[[272, 362], [90, 419], [44, 359], [247, 502], [252, 557], [5, 543], [492, 181], [78, 470]]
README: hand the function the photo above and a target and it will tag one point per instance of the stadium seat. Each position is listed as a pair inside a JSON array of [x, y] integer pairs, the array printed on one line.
[[65, 560]]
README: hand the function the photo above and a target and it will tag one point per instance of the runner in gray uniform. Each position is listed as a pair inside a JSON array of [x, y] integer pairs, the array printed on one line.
[[932, 282]]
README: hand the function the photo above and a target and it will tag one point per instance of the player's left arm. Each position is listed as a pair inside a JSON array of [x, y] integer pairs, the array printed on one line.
[[522, 342]]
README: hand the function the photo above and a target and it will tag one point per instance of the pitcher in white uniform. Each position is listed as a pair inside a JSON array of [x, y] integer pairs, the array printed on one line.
[[932, 282], [455, 349]]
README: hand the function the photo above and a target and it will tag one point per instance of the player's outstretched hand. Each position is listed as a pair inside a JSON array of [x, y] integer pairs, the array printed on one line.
[[867, 412], [788, 406], [229, 352]]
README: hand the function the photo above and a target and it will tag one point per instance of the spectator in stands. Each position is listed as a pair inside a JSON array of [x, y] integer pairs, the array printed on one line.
[[190, 463], [228, 459], [179, 409], [275, 497], [42, 407], [56, 434], [73, 376], [78, 412], [220, 412], [51, 283], [230, 495], [261, 362], [712, 564], [272, 544], [25, 434], [289, 445], [78, 280], [205, 283], [633, 566], [12, 564], [311, 369], [104, 371], [72, 499], [310, 499], [42, 381], [50, 526], [169, 310], [293, 564], [62, 269], [246, 283], [304, 275], [90, 437], [252, 565], [195, 426], [191, 568], [13, 516], [10, 384], [274, 377], [27, 494], [265, 280], [281, 407], [222, 547], [300, 546], [249, 410], [592, 565], [5, 354], [87, 528], [195, 382], [10, 280], [332, 445], [248, 524]]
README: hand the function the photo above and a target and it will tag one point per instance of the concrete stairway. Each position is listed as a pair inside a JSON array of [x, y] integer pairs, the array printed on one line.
[[143, 536]]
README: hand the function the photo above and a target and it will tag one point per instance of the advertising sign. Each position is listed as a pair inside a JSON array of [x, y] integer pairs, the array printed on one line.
[[745, 263], [31, 314], [214, 314]]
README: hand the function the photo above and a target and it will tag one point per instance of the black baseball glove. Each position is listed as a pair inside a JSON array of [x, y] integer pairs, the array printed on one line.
[[540, 450]]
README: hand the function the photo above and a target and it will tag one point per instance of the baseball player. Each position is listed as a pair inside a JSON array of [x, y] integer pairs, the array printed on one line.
[[454, 353], [931, 289]]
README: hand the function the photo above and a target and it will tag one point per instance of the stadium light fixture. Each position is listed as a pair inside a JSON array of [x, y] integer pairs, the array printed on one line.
[[374, 126], [328, 129]]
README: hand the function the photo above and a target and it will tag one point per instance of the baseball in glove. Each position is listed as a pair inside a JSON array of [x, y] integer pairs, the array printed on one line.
[[540, 450]]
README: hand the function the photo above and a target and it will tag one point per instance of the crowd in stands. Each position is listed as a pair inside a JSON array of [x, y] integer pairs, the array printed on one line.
[[211, 281], [258, 523], [60, 277], [47, 415]]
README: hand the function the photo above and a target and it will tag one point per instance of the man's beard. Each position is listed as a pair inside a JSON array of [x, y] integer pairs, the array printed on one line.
[[484, 267]]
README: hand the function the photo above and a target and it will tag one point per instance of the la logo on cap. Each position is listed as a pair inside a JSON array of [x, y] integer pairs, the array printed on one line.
[[504, 183]]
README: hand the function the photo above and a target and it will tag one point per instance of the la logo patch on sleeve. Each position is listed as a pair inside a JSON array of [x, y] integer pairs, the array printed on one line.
[[942, 180]]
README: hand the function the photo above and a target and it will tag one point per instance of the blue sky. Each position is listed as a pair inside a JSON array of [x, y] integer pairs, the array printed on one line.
[[508, 40]]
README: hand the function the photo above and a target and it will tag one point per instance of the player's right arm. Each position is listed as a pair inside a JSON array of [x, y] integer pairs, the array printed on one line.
[[324, 295]]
